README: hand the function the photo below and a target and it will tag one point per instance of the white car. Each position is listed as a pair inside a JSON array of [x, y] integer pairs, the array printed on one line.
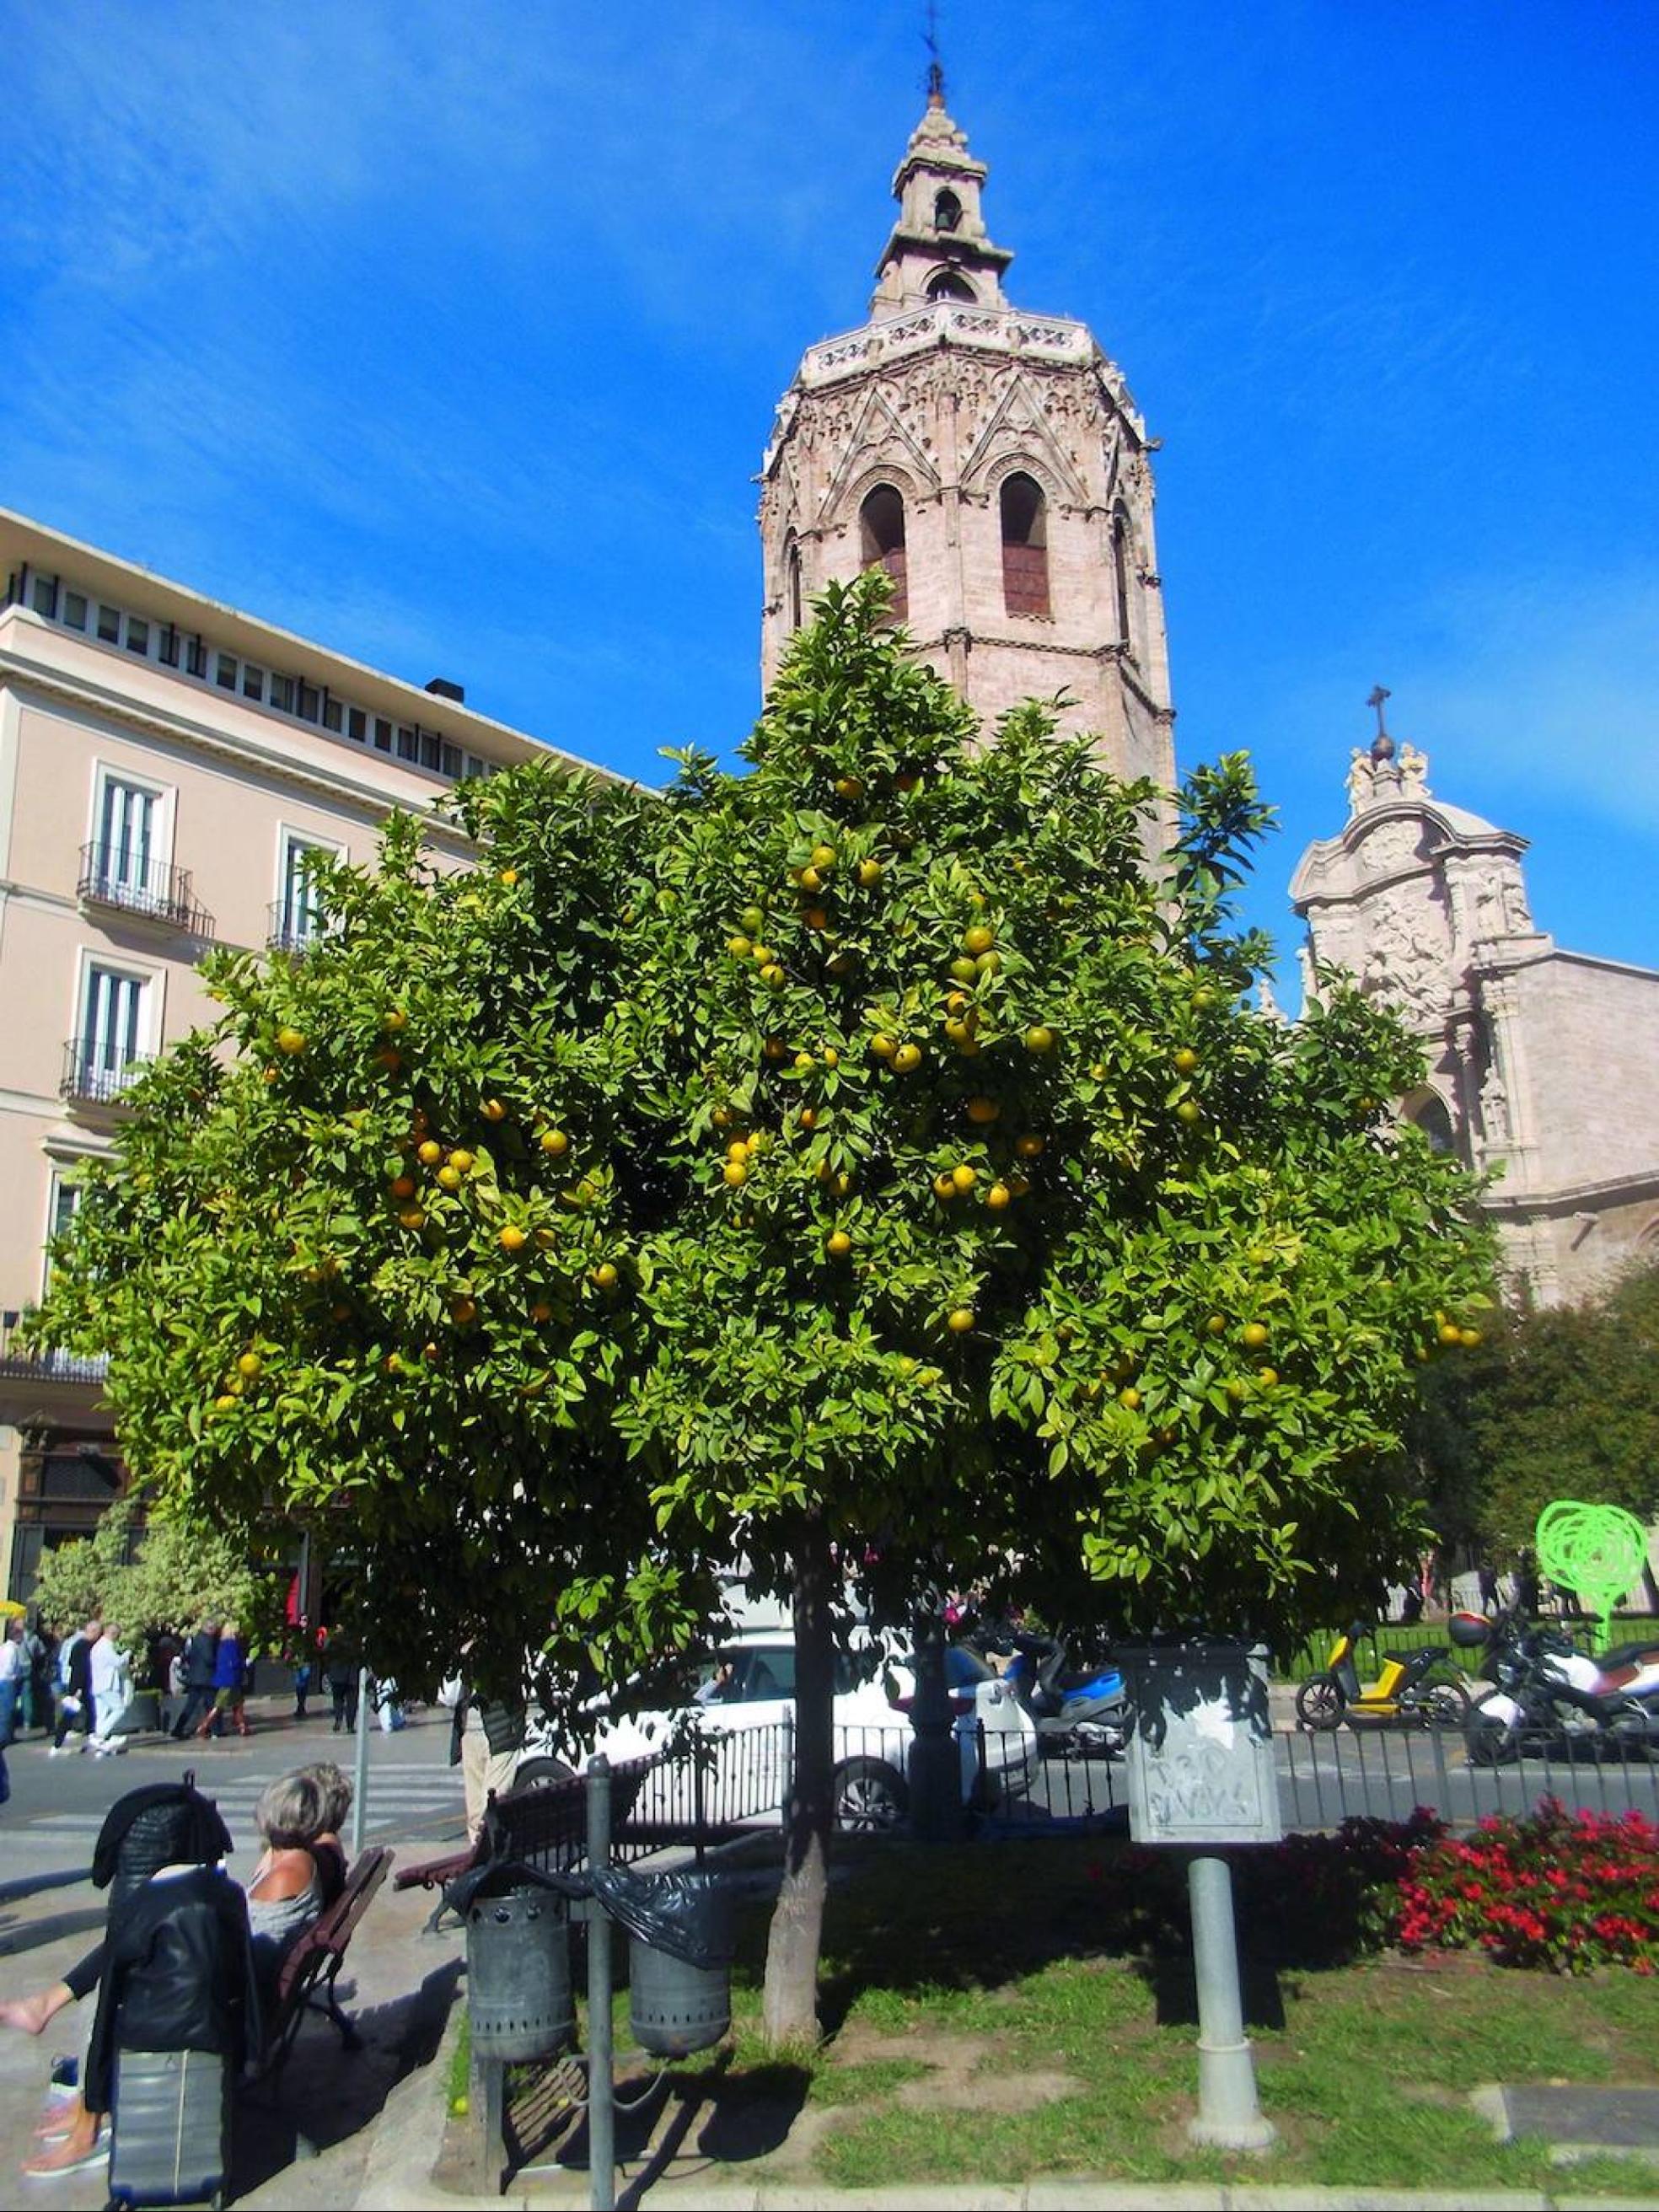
[[731, 1736]]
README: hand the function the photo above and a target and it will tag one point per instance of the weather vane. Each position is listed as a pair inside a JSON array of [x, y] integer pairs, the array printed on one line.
[[935, 67]]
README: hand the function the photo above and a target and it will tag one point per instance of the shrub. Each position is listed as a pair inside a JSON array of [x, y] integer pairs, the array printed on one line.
[[1570, 1891]]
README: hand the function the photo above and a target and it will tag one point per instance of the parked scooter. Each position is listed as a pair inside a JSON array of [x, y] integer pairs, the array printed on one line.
[[1412, 1690], [1078, 1711], [1552, 1700]]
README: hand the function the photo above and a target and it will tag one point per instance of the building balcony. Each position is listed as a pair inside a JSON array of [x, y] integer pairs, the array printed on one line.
[[88, 1078], [288, 931], [20, 1362], [112, 877]]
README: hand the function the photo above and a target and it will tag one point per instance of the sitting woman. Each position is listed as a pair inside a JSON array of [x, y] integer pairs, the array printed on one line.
[[288, 1890], [326, 1848]]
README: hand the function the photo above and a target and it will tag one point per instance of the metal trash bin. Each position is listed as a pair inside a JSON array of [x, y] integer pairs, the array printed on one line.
[[676, 2007], [518, 1993]]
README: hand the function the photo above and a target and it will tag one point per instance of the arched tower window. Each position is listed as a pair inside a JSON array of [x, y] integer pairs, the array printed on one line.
[[947, 211], [792, 595], [947, 285], [1024, 546], [1428, 1109], [881, 543], [1121, 552]]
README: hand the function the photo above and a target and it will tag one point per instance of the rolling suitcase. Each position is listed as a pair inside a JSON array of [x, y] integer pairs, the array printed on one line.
[[170, 2142]]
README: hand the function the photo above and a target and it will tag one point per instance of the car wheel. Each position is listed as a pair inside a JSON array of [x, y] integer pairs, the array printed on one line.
[[541, 1774], [1320, 1704], [869, 1798]]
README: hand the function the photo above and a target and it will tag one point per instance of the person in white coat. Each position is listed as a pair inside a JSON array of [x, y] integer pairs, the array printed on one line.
[[111, 1691]]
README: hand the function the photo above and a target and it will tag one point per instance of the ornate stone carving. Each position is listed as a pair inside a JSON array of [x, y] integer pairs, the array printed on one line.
[[1391, 845], [1405, 958]]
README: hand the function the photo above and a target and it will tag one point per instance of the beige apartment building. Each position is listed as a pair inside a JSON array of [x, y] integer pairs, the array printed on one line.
[[166, 763]]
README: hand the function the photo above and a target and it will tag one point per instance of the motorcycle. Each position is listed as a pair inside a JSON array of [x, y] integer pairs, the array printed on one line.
[[1407, 1693], [1078, 1712], [1550, 1699]]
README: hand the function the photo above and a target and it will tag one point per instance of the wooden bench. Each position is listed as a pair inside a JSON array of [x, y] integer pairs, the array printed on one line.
[[312, 1962], [545, 1825]]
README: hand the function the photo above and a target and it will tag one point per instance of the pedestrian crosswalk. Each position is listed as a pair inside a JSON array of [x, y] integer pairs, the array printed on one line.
[[401, 1795]]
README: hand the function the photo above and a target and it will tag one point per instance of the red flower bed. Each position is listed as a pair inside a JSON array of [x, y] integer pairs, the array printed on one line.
[[1569, 1891]]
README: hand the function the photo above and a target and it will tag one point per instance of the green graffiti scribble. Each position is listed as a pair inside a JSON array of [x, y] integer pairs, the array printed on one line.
[[1597, 1551]]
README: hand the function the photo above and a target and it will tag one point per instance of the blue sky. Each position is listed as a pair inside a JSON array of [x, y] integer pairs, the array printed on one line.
[[451, 338]]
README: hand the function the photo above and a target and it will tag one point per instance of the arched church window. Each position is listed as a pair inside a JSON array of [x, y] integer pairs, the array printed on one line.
[[947, 285], [1428, 1111], [1122, 550], [1024, 546], [881, 543], [947, 211], [792, 594]]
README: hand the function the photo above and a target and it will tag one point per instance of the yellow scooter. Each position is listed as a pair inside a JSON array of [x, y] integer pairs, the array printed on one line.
[[1403, 1696]]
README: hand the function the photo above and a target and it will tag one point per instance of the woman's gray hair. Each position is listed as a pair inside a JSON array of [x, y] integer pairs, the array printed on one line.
[[337, 1794], [289, 1813]]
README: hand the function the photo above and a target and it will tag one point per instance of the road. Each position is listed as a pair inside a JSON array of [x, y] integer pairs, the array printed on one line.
[[57, 1805]]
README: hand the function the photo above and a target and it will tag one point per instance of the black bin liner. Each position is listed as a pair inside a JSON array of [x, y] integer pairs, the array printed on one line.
[[679, 1955]]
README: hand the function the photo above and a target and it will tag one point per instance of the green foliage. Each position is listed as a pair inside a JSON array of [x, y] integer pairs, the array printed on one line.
[[1559, 1402], [441, 1239], [160, 1580]]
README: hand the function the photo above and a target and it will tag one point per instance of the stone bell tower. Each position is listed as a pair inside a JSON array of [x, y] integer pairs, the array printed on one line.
[[992, 461]]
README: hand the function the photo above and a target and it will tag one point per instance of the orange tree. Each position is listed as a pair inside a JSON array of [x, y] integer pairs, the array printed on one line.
[[865, 1166]]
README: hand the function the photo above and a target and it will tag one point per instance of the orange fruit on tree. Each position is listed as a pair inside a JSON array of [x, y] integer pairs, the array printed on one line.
[[1188, 1111], [393, 1018], [461, 1160], [983, 1111], [451, 1177], [250, 1364], [1266, 1376], [738, 1149], [848, 788], [739, 947], [737, 1173], [413, 1218], [816, 917], [959, 1320], [464, 1310], [906, 1058], [998, 1196], [773, 977], [1185, 1059], [823, 856], [1255, 1335], [831, 1057], [1450, 1333], [1468, 1338], [980, 939], [509, 877], [1129, 1396], [555, 1143], [431, 1153], [605, 1276], [964, 969], [512, 1237], [964, 1177], [883, 1046], [809, 880], [808, 1117], [838, 1244], [870, 873], [1028, 1147], [944, 1185], [290, 1040], [402, 1185], [493, 1110], [541, 1311], [1040, 1038]]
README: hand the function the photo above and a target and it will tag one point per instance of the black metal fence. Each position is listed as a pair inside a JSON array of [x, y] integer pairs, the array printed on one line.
[[713, 1785]]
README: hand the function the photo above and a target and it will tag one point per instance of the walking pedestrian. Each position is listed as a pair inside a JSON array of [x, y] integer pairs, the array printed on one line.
[[229, 1685], [14, 1674], [340, 1670], [301, 1657], [36, 1691], [75, 1704], [110, 1676], [200, 1653]]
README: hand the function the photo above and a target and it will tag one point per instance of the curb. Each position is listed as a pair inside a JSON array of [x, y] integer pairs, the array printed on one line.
[[408, 2136]]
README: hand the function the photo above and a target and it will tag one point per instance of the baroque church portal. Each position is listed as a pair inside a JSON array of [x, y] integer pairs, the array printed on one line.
[[992, 462]]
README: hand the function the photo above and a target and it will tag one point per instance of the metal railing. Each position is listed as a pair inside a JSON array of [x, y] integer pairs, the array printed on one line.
[[88, 1076], [18, 1362], [286, 931], [113, 876]]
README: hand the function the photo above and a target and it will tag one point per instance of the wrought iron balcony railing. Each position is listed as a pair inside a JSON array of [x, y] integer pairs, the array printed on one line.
[[113, 876], [21, 1363], [288, 932], [89, 1074]]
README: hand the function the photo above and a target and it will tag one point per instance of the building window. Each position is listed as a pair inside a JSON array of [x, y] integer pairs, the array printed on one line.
[[792, 593], [881, 543], [167, 645], [254, 681], [431, 750], [1121, 551], [948, 285], [281, 694], [75, 610], [225, 671], [114, 1031], [1024, 546], [195, 658], [357, 726], [947, 211], [63, 1203], [45, 597], [109, 625], [382, 734], [299, 917], [449, 760], [332, 718], [310, 702], [407, 748], [138, 635], [1429, 1113], [129, 839]]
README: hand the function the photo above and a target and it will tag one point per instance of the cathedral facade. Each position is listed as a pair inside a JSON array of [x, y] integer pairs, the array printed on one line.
[[1542, 1065], [992, 462]]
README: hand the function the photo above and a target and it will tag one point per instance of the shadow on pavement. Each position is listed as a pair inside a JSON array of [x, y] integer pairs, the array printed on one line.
[[31, 1885], [326, 2095], [17, 1936]]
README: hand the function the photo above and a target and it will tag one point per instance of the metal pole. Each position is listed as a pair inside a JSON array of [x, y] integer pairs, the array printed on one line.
[[1229, 2115], [601, 2084], [359, 1776]]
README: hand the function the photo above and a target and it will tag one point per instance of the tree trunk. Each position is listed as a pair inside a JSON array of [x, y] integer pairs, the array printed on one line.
[[797, 1933]]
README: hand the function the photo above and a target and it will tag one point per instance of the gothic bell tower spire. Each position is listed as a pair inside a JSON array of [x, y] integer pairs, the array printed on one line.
[[992, 461]]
